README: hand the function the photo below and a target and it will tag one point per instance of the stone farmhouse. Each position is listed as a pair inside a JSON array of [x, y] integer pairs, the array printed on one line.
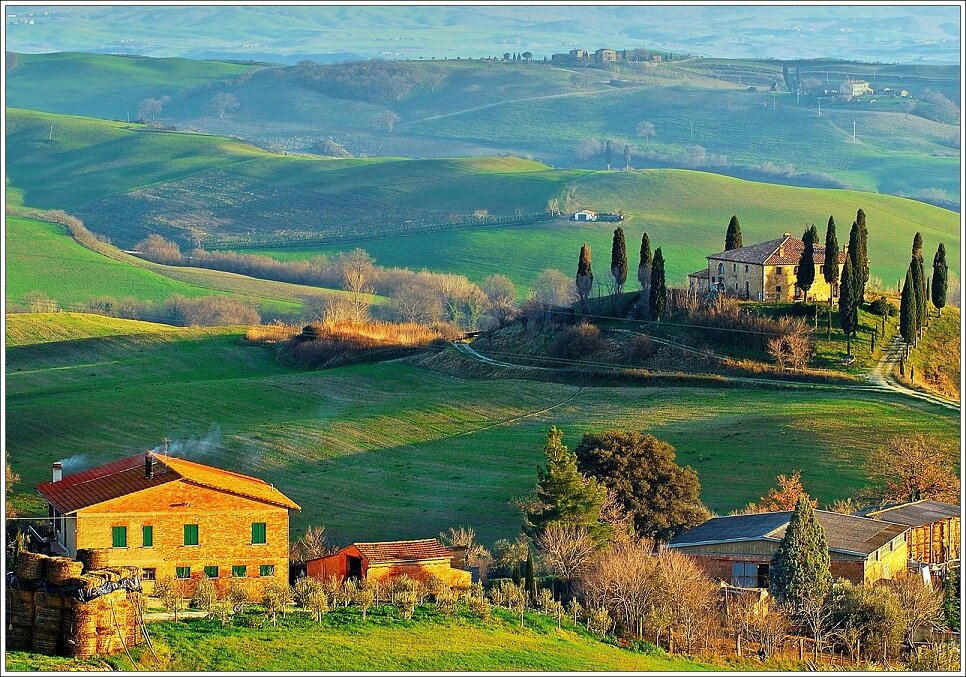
[[171, 517], [766, 271], [380, 561], [738, 549]]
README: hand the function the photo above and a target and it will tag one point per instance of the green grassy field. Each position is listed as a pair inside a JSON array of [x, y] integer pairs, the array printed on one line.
[[937, 357], [685, 213], [345, 445], [384, 642], [42, 257]]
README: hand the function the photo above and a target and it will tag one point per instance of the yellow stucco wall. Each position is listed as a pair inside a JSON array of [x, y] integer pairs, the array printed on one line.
[[767, 283]]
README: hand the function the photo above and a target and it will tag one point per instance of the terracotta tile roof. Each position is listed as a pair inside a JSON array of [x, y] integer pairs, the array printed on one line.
[[126, 476], [403, 551], [844, 533], [914, 514], [767, 253], [225, 480]]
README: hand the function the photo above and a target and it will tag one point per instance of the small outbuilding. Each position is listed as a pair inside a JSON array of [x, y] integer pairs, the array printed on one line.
[[934, 536], [585, 215], [379, 561]]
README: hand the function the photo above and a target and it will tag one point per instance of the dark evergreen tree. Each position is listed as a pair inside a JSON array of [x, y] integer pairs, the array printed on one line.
[[907, 310], [608, 153], [733, 237], [627, 157], [863, 250], [940, 278], [919, 282], [618, 260], [658, 303], [564, 496], [848, 310], [530, 581], [585, 276], [830, 268], [644, 267], [806, 263], [799, 574], [855, 256]]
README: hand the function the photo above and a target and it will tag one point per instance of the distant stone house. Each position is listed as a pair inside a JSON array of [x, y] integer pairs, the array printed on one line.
[[585, 215], [738, 549], [379, 561], [605, 55], [934, 529], [767, 271]]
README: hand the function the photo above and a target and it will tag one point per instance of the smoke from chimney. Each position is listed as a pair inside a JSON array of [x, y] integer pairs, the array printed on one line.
[[58, 471]]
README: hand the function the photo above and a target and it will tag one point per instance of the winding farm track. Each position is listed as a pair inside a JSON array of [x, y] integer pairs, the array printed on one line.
[[882, 377], [877, 382]]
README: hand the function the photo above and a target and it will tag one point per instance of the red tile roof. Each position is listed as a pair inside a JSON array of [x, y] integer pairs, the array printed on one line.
[[120, 478], [767, 253], [403, 551]]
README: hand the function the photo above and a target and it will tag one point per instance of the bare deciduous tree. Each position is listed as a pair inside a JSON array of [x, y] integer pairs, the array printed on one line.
[[690, 598], [565, 550], [914, 468], [921, 604], [624, 579], [357, 269]]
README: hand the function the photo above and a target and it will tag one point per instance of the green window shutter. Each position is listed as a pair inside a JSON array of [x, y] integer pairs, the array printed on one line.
[[119, 536], [147, 536], [266, 570], [239, 571], [183, 572], [211, 572], [191, 534], [258, 533]]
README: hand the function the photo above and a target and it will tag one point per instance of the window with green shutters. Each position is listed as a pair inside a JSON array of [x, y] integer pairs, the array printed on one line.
[[119, 536], [239, 571], [258, 533], [147, 536], [211, 572], [182, 572], [191, 534], [266, 570]]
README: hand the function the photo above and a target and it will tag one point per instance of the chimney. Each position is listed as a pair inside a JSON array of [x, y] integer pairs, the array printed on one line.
[[58, 474], [148, 466]]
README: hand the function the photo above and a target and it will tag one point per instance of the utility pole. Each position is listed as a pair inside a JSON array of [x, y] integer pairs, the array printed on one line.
[[50, 135], [773, 98], [820, 105], [853, 131]]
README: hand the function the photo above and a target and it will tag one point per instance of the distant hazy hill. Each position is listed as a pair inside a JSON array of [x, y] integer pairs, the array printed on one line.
[[879, 33]]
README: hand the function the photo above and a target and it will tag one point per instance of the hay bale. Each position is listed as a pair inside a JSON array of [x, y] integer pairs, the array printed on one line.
[[19, 638], [31, 566], [93, 558], [62, 569], [46, 643], [108, 575], [82, 647], [108, 643], [48, 619], [21, 606], [46, 599]]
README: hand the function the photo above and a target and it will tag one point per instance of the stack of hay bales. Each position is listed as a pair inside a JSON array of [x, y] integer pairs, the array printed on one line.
[[46, 613]]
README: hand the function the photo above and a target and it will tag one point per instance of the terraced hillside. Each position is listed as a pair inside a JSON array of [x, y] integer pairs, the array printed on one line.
[[703, 112], [195, 185], [451, 452]]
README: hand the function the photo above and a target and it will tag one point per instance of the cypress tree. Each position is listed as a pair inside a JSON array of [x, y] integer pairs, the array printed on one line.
[[919, 283], [940, 278], [907, 310], [585, 276], [831, 263], [848, 311], [627, 157], [855, 256], [733, 237], [618, 260], [530, 581], [863, 248], [806, 263], [608, 153], [658, 287], [644, 274], [799, 571]]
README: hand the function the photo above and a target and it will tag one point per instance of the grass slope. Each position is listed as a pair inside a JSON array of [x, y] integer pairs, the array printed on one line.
[[685, 213], [385, 642], [42, 257], [937, 357], [451, 452]]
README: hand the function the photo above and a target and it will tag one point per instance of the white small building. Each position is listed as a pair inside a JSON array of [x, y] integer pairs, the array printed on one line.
[[585, 215]]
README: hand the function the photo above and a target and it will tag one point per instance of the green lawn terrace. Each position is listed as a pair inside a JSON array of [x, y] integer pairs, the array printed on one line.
[[454, 451]]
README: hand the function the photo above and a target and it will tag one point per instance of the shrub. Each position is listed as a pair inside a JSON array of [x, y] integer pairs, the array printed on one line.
[[480, 606], [599, 622], [882, 307], [276, 596], [574, 343], [801, 309], [641, 348], [205, 594]]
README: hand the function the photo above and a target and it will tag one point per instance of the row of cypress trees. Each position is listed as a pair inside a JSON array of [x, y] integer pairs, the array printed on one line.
[[650, 273], [916, 294]]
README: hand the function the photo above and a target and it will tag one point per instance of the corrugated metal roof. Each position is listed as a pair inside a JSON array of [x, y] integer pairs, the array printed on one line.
[[844, 533], [914, 514], [403, 551], [126, 476]]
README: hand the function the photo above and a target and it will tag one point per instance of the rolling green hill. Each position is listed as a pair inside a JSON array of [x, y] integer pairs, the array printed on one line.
[[195, 184], [473, 107], [451, 452]]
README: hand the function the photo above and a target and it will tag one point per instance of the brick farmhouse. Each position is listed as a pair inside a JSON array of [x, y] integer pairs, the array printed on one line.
[[380, 561], [765, 272], [738, 549], [172, 517]]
